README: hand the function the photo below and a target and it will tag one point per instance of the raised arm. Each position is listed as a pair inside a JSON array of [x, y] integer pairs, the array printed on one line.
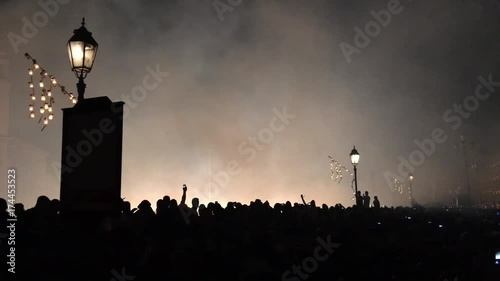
[[183, 199], [303, 201]]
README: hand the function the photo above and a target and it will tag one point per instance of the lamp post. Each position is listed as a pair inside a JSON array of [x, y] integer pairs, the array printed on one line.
[[410, 179], [82, 50], [355, 160]]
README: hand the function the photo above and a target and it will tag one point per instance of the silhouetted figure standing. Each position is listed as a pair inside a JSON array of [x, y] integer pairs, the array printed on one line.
[[376, 203], [359, 199], [366, 200]]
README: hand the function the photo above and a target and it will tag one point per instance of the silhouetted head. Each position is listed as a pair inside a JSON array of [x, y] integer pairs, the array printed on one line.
[[3, 205], [202, 207], [166, 198], [313, 203], [375, 197], [195, 202], [358, 192], [366, 192], [43, 202], [173, 203], [144, 205], [19, 207], [126, 206]]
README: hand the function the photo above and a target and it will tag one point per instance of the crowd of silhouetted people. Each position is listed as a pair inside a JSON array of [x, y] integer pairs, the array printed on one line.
[[174, 240]]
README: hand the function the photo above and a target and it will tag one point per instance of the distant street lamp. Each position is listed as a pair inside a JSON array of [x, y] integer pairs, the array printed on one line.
[[410, 179], [82, 50], [355, 160]]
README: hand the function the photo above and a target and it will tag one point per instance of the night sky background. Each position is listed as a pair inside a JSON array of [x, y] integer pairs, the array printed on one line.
[[228, 73]]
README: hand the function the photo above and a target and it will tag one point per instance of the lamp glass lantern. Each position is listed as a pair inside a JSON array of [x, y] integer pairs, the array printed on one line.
[[354, 156], [82, 50], [410, 177]]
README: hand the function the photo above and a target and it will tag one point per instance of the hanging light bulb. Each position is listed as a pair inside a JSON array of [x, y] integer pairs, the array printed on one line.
[[49, 93], [51, 116], [30, 84], [42, 97], [53, 80], [49, 109], [46, 106], [30, 72], [41, 83], [73, 100], [42, 110], [45, 121], [33, 97], [36, 66], [31, 107], [32, 115], [43, 73]]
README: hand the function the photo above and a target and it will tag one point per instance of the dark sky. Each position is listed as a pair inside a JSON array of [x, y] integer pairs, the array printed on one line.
[[230, 73]]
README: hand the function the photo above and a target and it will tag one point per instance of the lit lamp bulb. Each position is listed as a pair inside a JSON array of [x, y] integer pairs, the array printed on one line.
[[36, 66], [73, 100], [30, 85], [46, 106], [31, 107], [32, 97], [45, 121], [53, 80], [42, 110], [49, 93], [32, 115], [49, 109], [44, 73], [51, 116], [41, 84], [30, 72], [42, 97]]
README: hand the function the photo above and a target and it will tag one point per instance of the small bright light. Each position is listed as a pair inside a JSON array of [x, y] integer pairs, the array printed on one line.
[[36, 66], [440, 226], [53, 80], [30, 72], [354, 156], [32, 115], [44, 73], [42, 110], [49, 109], [51, 116], [30, 85], [46, 106], [49, 93], [33, 97], [42, 97], [45, 121], [41, 84], [73, 100], [31, 107]]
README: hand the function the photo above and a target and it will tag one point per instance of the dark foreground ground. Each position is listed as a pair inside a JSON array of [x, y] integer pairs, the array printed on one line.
[[256, 242]]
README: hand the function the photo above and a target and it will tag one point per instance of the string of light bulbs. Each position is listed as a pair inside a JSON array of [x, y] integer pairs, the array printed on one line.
[[337, 171], [46, 83], [399, 186]]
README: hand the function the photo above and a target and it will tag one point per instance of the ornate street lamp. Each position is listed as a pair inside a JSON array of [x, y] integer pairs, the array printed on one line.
[[355, 160], [82, 50]]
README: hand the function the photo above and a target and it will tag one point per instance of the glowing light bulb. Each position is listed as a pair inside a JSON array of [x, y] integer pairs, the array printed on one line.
[[73, 100], [32, 115], [53, 80], [51, 116], [42, 110], [30, 72], [42, 97], [46, 106], [30, 85], [49, 109], [31, 107], [45, 121], [33, 97], [49, 93], [41, 84], [36, 66], [44, 73]]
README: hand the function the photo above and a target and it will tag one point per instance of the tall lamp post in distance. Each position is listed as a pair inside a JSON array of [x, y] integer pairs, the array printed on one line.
[[355, 160], [410, 179], [82, 50]]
